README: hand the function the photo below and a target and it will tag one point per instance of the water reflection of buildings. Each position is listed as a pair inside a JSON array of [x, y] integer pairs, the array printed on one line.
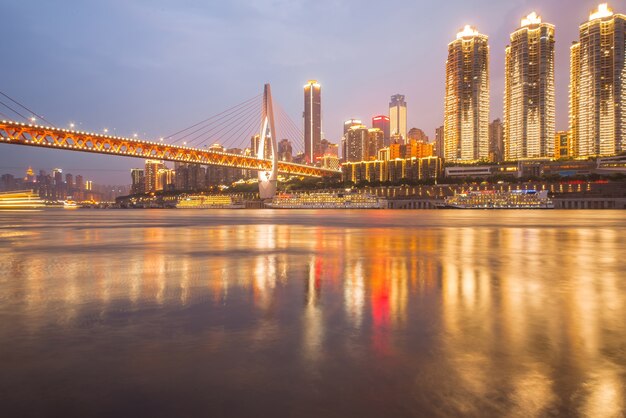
[[119, 270], [504, 298], [527, 309]]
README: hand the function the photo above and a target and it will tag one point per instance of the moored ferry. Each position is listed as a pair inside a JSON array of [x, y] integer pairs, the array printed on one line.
[[208, 202], [22, 199], [491, 199], [326, 200]]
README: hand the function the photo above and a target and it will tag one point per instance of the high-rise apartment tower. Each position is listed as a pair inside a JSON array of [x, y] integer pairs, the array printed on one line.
[[529, 104], [466, 117], [598, 85]]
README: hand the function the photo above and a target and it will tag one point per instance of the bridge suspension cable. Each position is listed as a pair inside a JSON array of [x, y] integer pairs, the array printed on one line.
[[210, 120], [14, 111], [289, 126], [239, 137], [227, 124], [25, 108]]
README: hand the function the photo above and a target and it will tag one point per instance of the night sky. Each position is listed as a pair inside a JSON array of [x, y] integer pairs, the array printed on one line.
[[152, 66]]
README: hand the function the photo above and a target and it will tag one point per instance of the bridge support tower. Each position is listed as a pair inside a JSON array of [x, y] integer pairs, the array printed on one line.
[[268, 178]]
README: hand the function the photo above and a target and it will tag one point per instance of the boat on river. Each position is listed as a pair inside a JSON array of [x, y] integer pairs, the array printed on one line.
[[492, 199], [21, 199], [326, 200], [209, 202]]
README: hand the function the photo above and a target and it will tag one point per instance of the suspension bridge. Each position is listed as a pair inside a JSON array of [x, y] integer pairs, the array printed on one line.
[[231, 129]]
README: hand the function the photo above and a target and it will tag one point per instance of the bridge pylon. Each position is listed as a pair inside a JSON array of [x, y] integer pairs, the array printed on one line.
[[267, 178]]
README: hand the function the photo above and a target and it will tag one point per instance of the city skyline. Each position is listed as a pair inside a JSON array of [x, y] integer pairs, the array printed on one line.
[[343, 98]]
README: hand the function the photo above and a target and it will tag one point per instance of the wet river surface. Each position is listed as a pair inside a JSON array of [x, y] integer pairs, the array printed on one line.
[[312, 313]]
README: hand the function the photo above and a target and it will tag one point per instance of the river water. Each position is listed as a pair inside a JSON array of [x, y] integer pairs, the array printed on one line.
[[312, 313]]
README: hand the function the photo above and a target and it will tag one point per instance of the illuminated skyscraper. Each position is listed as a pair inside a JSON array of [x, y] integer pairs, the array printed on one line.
[[439, 147], [416, 134], [529, 107], [69, 182], [496, 143], [59, 184], [285, 150], [312, 121], [166, 179], [213, 174], [255, 141], [562, 147], [30, 176], [151, 174], [79, 182], [466, 117], [138, 181], [397, 116], [375, 141], [597, 85], [357, 139], [382, 122], [346, 126]]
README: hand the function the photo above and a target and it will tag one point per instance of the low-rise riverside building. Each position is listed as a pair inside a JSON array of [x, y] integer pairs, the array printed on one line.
[[395, 170]]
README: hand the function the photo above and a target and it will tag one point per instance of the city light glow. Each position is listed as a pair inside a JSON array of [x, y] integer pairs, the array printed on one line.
[[602, 12], [467, 32], [531, 19]]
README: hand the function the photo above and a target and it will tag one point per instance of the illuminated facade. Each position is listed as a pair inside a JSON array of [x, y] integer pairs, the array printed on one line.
[[382, 122], [394, 170], [254, 145], [151, 175], [137, 181], [285, 150], [375, 141], [312, 121], [356, 139], [529, 101], [496, 143], [597, 79], [562, 144], [413, 149], [350, 123], [166, 179], [30, 175], [466, 117], [328, 148], [397, 116], [330, 161], [344, 145], [417, 134], [439, 143]]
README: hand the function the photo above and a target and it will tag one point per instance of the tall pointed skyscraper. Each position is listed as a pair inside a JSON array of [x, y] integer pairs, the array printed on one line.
[[598, 85], [529, 104], [466, 117], [312, 121]]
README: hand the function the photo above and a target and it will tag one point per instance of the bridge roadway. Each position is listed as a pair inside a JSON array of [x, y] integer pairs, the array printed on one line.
[[64, 139]]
